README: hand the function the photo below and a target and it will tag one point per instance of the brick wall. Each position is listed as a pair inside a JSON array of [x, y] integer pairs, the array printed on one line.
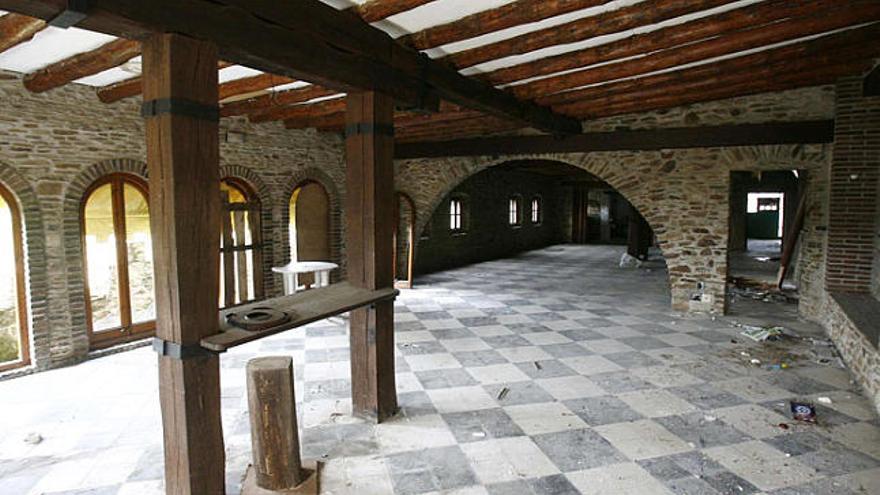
[[488, 234], [54, 144], [855, 174]]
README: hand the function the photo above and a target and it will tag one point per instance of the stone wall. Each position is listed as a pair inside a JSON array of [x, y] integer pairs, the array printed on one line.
[[683, 194], [488, 234], [54, 144]]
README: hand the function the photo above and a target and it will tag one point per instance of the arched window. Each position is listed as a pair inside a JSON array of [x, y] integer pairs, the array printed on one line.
[[118, 260], [456, 215], [14, 349], [309, 226], [514, 210], [537, 213], [241, 251]]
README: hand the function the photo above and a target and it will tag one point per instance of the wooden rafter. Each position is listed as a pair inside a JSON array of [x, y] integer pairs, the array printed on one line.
[[276, 99], [854, 44], [376, 10], [16, 29], [129, 87], [753, 38], [688, 32], [294, 112], [113, 54], [488, 21], [610, 22], [331, 48], [251, 84], [688, 92]]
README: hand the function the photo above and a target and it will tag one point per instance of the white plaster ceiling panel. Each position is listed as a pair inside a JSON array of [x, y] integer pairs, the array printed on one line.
[[235, 72], [49, 46]]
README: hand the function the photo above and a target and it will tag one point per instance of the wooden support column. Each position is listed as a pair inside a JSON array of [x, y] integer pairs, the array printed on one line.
[[369, 214], [180, 100]]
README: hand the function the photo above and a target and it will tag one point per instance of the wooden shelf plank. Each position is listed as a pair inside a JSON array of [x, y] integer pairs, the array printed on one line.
[[303, 308]]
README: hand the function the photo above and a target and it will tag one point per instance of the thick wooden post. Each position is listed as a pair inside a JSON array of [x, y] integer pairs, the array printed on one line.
[[180, 91], [369, 213], [274, 432]]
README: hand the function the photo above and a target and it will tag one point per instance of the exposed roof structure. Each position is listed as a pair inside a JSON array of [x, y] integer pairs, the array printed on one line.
[[581, 58]]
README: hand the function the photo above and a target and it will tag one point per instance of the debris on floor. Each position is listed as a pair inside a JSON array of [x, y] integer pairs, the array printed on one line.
[[824, 400], [33, 438], [627, 261], [503, 393], [802, 411], [760, 291], [760, 334]]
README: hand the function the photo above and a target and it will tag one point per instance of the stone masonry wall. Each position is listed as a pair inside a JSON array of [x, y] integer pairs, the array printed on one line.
[[488, 234], [683, 194], [53, 145]]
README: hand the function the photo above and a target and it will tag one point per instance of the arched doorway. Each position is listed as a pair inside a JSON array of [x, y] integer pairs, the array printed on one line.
[[309, 225], [404, 240], [118, 260], [14, 348], [241, 252]]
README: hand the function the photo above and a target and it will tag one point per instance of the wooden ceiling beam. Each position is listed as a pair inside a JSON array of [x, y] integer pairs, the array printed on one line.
[[16, 29], [661, 39], [321, 45], [108, 56], [488, 21], [251, 84], [757, 37], [129, 87], [275, 99], [808, 132], [376, 10], [855, 42], [589, 27]]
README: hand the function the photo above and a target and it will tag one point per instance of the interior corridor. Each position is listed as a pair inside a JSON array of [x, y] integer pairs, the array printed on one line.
[[552, 372]]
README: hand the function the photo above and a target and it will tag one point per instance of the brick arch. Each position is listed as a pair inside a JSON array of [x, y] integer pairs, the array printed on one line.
[[318, 176], [37, 274], [267, 227], [682, 194], [73, 252]]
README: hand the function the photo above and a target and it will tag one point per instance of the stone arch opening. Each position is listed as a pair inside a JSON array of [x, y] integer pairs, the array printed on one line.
[[559, 186]]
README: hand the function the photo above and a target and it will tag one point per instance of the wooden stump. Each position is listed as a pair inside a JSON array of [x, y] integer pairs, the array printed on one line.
[[274, 432]]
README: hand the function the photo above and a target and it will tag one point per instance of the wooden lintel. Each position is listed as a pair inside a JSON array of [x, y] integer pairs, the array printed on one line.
[[325, 46], [807, 132]]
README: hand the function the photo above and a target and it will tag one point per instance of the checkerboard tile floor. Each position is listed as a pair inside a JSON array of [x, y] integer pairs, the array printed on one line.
[[554, 372]]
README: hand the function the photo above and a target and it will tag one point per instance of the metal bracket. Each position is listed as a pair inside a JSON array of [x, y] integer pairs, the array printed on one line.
[[180, 106], [369, 128], [72, 15], [178, 351]]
